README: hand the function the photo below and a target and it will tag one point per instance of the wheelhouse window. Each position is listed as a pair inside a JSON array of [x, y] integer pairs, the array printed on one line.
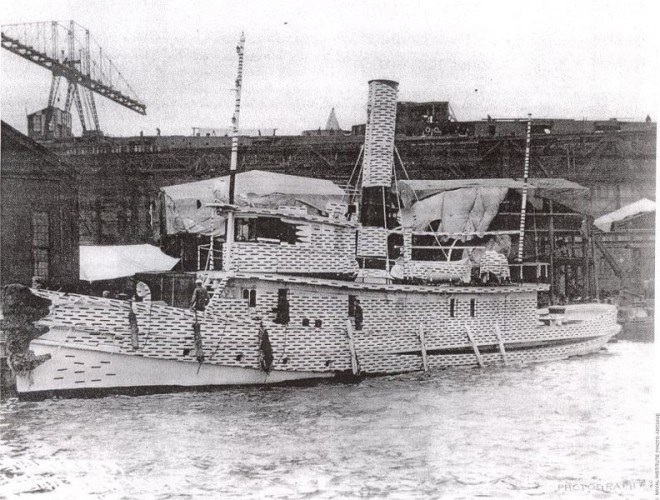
[[40, 244], [265, 230], [430, 248]]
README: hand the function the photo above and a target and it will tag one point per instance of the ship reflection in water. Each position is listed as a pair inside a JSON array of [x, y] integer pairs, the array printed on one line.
[[562, 428]]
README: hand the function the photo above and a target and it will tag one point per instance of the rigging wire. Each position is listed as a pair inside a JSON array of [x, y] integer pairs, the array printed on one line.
[[350, 179], [435, 236]]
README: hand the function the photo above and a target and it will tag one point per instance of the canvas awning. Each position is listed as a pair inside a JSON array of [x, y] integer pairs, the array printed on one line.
[[184, 205], [410, 191], [457, 205], [109, 262], [570, 194], [470, 205], [605, 222]]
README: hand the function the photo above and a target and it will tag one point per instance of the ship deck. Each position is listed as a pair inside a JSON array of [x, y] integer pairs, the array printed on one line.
[[440, 288]]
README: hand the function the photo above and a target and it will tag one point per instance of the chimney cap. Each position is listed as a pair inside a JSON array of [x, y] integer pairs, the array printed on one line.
[[386, 82]]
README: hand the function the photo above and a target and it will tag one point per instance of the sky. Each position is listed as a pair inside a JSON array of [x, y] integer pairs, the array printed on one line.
[[560, 59]]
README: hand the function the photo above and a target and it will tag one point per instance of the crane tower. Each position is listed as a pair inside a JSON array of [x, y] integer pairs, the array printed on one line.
[[69, 52]]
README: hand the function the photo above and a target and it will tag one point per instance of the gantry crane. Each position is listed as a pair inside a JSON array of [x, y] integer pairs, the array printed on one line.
[[82, 64]]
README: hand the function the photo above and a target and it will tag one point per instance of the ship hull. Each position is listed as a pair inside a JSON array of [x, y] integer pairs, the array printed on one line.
[[95, 346], [72, 371]]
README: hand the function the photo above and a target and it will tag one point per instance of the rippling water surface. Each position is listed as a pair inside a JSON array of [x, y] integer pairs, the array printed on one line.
[[577, 428]]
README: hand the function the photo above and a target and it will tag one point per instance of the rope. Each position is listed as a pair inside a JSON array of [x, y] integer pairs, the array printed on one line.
[[133, 327], [224, 329], [396, 185], [435, 236], [404, 168], [387, 249], [199, 348], [350, 179], [146, 338], [286, 335]]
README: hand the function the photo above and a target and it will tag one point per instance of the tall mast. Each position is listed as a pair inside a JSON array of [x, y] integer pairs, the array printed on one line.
[[234, 120], [523, 208], [234, 155]]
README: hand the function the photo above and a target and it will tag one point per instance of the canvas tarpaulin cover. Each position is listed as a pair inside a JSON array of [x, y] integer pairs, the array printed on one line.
[[569, 194], [184, 208], [470, 205], [109, 262], [458, 206]]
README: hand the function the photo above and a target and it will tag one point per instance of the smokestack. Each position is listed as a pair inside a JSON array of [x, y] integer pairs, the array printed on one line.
[[377, 166], [379, 135]]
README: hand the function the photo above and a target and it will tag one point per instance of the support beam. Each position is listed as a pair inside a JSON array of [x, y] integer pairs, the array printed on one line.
[[475, 348], [355, 366], [500, 342], [425, 361], [586, 270], [553, 286], [608, 257], [72, 74], [596, 268]]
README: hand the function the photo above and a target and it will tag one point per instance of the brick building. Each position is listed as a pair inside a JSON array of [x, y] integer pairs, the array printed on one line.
[[38, 214]]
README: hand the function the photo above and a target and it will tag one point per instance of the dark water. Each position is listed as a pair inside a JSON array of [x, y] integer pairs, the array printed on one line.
[[578, 428]]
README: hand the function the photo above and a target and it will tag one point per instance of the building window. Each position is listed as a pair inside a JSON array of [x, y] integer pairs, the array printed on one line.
[[473, 307], [452, 308], [36, 123], [40, 244]]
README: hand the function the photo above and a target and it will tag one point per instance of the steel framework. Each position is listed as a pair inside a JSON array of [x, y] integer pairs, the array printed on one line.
[[82, 63]]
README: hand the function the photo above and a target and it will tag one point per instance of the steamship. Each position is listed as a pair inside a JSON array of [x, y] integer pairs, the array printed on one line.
[[311, 291]]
